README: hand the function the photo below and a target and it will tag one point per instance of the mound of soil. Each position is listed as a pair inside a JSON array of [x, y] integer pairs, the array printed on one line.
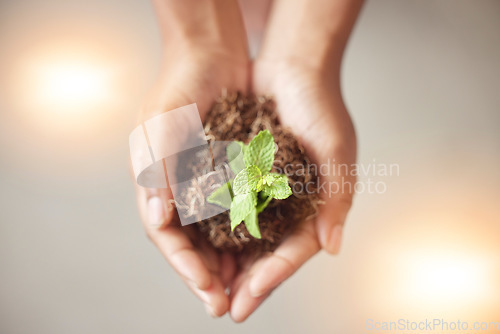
[[237, 117]]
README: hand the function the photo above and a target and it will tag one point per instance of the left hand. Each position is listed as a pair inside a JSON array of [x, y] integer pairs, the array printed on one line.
[[309, 102]]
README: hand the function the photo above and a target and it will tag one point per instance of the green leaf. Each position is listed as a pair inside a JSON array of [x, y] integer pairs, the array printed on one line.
[[241, 206], [258, 186], [260, 152], [235, 152], [252, 224], [253, 177], [221, 196], [248, 180], [268, 179], [279, 188]]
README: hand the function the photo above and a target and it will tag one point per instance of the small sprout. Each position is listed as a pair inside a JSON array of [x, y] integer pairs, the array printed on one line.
[[254, 185]]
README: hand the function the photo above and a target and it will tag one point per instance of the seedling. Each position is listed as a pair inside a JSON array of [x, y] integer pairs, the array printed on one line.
[[254, 185]]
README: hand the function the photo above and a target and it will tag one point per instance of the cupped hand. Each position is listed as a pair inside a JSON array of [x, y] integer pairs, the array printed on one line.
[[310, 103], [190, 76], [205, 52]]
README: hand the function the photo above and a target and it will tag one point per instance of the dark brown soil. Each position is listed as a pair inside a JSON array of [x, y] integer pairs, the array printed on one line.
[[236, 117]]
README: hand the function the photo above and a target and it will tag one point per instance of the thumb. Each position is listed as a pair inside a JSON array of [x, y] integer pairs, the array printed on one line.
[[154, 146], [156, 207], [338, 196]]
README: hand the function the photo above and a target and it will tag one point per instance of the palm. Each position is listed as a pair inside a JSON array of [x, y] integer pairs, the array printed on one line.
[[304, 105], [196, 78], [209, 53], [308, 105]]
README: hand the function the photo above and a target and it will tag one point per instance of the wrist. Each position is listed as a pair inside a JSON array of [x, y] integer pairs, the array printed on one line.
[[316, 32], [296, 68], [208, 26], [271, 75]]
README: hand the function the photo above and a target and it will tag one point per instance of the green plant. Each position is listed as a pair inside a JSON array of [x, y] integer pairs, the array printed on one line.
[[254, 185]]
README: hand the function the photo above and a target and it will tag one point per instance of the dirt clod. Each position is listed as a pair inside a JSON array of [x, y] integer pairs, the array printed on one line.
[[237, 117]]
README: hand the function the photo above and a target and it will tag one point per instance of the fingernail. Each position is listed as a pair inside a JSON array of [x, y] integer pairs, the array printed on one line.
[[257, 288], [156, 211], [210, 311], [199, 282], [335, 240], [257, 292], [193, 283], [324, 233]]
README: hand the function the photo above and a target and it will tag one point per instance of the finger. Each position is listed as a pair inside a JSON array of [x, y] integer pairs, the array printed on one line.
[[215, 299], [239, 292], [246, 266], [285, 260], [208, 254], [179, 251], [227, 268], [266, 274], [243, 304], [156, 207], [172, 242], [332, 215], [199, 267]]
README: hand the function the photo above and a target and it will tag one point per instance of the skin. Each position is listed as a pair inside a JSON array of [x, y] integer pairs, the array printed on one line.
[[299, 64]]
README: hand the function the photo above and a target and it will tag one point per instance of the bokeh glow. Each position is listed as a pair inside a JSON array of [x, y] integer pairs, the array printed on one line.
[[438, 277], [67, 84], [71, 83], [66, 90]]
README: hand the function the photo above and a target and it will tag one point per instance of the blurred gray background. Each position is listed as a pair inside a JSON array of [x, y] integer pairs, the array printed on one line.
[[421, 79]]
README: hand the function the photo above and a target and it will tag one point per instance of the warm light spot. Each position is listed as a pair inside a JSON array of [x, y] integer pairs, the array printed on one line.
[[447, 277], [67, 91], [71, 85], [444, 278], [70, 90]]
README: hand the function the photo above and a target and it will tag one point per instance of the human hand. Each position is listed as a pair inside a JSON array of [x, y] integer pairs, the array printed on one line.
[[208, 57], [197, 65], [311, 105], [300, 68]]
